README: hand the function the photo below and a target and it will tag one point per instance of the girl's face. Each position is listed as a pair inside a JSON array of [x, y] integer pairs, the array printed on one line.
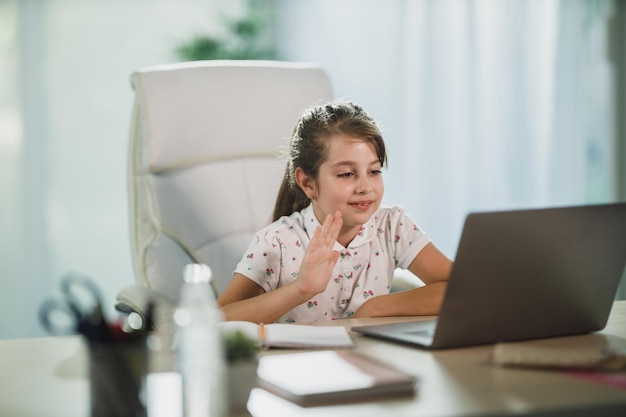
[[350, 180]]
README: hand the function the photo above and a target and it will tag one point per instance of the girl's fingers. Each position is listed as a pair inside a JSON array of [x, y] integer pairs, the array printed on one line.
[[333, 224], [320, 258], [326, 235], [336, 225]]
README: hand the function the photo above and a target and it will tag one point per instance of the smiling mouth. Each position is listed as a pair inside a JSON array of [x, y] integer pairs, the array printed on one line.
[[362, 205]]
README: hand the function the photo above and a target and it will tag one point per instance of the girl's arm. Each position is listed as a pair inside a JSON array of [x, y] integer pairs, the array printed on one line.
[[244, 299], [433, 268]]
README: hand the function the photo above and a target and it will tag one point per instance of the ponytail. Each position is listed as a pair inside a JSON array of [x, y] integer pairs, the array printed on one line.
[[289, 199]]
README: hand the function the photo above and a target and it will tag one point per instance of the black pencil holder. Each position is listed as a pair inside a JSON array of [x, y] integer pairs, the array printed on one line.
[[117, 376]]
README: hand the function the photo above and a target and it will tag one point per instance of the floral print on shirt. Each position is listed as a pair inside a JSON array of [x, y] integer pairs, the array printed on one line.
[[364, 270]]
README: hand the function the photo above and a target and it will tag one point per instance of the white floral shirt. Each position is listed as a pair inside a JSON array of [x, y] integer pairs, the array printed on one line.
[[390, 239]]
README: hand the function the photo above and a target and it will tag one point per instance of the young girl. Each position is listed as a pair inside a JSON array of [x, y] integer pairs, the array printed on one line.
[[332, 249]]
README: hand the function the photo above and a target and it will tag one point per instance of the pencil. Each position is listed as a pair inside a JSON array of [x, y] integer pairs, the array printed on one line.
[[262, 333]]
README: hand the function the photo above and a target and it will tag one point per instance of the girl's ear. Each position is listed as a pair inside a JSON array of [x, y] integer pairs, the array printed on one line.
[[306, 183]]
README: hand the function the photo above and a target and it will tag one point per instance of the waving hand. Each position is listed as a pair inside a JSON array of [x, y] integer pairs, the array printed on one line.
[[320, 258]]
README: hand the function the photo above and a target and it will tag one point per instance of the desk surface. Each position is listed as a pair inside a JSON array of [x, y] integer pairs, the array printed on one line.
[[47, 377]]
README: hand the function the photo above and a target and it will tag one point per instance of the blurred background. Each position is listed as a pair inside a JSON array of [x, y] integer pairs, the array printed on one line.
[[485, 105]]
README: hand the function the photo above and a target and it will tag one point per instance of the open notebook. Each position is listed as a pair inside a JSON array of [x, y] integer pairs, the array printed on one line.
[[525, 274], [288, 335]]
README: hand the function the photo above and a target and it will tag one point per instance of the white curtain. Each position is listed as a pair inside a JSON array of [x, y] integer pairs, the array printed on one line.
[[485, 104]]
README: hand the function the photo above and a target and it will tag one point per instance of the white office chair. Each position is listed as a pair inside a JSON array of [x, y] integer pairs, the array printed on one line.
[[204, 168]]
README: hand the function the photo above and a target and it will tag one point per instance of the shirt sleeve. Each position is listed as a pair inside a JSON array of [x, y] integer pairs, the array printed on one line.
[[261, 261], [407, 238]]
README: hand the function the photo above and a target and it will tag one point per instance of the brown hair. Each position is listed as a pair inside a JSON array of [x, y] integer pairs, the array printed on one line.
[[308, 147]]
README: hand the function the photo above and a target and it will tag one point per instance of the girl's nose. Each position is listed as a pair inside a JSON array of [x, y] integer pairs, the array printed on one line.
[[364, 186]]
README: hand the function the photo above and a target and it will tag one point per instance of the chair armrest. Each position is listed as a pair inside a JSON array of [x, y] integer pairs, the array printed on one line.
[[135, 298], [404, 280]]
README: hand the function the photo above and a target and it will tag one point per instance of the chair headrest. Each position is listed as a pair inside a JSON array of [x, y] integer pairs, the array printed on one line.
[[251, 105]]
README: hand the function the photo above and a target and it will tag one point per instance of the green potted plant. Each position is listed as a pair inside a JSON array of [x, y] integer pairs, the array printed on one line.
[[248, 37], [242, 362]]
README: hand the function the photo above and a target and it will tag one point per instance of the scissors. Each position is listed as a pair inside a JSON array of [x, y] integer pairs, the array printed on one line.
[[79, 311]]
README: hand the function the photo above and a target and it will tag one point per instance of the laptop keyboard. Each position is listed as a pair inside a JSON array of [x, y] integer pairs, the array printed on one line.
[[423, 333]]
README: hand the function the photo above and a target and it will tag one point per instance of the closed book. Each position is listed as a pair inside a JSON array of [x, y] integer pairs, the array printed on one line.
[[330, 377]]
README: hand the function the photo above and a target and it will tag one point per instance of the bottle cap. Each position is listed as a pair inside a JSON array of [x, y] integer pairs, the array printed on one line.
[[197, 273]]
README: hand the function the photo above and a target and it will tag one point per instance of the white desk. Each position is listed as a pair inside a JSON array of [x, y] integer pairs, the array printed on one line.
[[47, 377]]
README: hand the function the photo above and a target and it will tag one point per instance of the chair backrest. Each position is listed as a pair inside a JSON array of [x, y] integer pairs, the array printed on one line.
[[204, 169]]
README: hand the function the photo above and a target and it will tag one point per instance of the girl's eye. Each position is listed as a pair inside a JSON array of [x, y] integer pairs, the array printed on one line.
[[345, 175], [376, 172]]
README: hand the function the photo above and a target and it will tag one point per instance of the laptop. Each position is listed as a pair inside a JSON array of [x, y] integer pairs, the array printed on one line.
[[525, 274]]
